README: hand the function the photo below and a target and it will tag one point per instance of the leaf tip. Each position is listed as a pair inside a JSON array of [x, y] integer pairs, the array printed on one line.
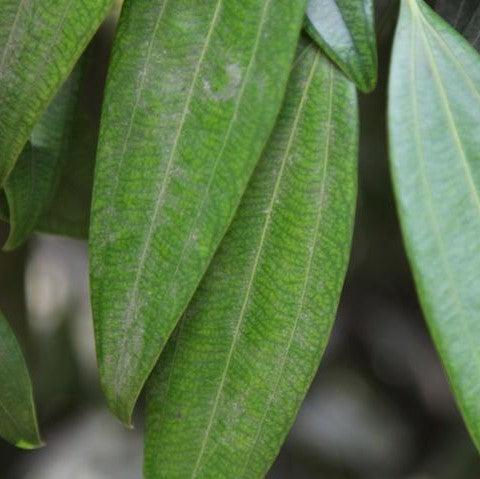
[[29, 445]]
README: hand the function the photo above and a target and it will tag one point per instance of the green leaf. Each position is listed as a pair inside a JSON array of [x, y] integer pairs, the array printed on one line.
[[229, 385], [31, 186], [69, 212], [40, 41], [345, 30], [18, 423], [192, 95], [57, 198], [434, 118]]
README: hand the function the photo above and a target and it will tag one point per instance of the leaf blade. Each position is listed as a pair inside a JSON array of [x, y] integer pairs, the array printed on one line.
[[227, 389], [434, 160], [18, 423], [41, 42], [345, 30], [31, 186], [168, 180]]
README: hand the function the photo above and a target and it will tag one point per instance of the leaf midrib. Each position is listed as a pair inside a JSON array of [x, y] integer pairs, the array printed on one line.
[[433, 215], [309, 261], [253, 274], [131, 308], [9, 43]]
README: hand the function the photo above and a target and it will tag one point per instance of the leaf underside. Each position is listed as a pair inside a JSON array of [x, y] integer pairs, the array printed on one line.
[[229, 384], [40, 41], [192, 94], [434, 118], [345, 30], [18, 423]]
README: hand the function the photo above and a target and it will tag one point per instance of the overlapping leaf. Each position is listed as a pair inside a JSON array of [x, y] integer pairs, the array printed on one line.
[[230, 382], [434, 118], [31, 186], [40, 41], [192, 95], [345, 29], [49, 189], [18, 423]]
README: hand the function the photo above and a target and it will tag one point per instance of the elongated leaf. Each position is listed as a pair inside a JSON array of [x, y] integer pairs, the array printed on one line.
[[345, 30], [31, 186], [18, 423], [192, 94], [227, 389], [40, 41], [57, 199], [434, 118]]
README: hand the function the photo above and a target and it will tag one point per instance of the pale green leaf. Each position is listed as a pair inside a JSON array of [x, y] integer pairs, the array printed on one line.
[[40, 41], [18, 423], [434, 118], [345, 30], [192, 94], [231, 380]]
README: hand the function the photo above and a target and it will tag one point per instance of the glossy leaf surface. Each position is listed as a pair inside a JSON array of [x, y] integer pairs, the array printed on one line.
[[231, 380], [192, 94], [18, 423], [345, 30], [40, 41], [434, 118]]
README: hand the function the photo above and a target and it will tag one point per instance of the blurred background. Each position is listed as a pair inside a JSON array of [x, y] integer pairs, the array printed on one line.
[[380, 406]]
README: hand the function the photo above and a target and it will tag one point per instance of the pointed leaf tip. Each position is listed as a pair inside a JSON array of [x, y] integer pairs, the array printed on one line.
[[18, 421], [345, 30], [177, 146]]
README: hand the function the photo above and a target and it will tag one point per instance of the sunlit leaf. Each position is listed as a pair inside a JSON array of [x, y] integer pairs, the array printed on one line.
[[345, 30], [434, 126], [230, 382], [18, 423], [40, 41], [192, 95]]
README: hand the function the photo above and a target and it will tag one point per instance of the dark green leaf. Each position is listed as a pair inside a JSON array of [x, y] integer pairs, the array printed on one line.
[[228, 386], [31, 186], [69, 213], [192, 95], [18, 423], [58, 200], [434, 118], [40, 41], [345, 30]]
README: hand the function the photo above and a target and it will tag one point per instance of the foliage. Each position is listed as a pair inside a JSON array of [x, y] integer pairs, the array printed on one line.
[[224, 197]]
